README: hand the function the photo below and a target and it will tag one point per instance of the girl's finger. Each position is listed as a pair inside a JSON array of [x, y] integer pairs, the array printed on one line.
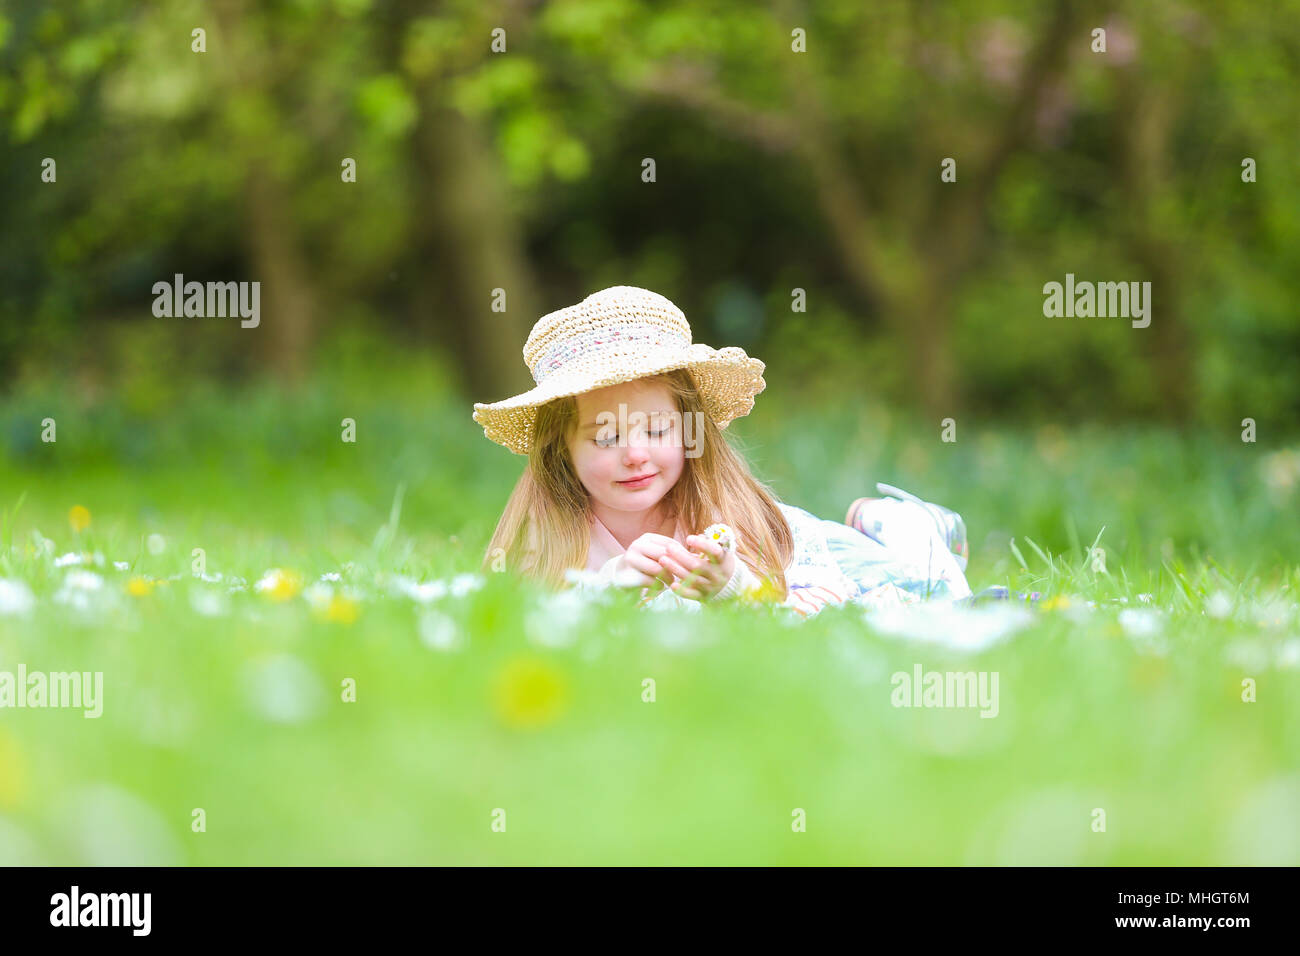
[[651, 569], [706, 545], [694, 582], [684, 557], [705, 542], [674, 567]]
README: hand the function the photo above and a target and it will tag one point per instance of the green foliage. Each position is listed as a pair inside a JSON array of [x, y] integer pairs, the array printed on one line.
[[1128, 167]]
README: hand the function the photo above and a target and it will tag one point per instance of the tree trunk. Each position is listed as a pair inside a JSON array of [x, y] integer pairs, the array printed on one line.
[[283, 337], [468, 240], [1145, 179], [288, 303]]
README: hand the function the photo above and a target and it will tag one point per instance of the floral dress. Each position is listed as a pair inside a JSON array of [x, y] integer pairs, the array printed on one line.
[[904, 560]]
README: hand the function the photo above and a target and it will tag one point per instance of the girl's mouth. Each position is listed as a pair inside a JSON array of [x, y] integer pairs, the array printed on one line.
[[638, 482]]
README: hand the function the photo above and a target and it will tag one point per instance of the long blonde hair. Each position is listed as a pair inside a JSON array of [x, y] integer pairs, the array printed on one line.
[[546, 526]]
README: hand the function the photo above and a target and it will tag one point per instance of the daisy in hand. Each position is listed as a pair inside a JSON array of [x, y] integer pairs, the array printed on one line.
[[700, 576]]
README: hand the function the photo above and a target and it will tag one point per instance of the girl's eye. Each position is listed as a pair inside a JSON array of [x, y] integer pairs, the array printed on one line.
[[611, 441]]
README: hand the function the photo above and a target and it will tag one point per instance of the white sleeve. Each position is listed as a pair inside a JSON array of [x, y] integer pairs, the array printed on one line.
[[668, 599], [742, 581], [608, 577], [592, 581]]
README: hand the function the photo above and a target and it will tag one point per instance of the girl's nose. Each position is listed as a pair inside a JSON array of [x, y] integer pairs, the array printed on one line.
[[636, 450]]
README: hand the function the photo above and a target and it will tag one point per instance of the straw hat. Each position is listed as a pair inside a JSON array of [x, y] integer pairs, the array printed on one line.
[[617, 335]]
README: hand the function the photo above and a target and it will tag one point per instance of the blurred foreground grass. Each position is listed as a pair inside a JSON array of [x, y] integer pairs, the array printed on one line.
[[1123, 693]]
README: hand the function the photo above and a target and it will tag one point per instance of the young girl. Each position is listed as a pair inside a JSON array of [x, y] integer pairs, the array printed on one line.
[[631, 483]]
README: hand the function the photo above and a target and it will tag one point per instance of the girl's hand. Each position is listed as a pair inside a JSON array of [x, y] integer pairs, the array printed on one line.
[[698, 577], [640, 565]]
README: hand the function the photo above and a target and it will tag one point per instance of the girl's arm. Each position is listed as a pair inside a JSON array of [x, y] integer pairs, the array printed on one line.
[[742, 581], [804, 601]]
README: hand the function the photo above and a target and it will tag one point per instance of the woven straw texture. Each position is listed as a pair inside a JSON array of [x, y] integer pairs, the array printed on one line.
[[617, 335]]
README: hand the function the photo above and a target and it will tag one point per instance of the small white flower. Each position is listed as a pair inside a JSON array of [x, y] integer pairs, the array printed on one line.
[[462, 584], [1139, 622], [156, 544], [83, 581], [64, 560], [439, 631], [319, 596], [429, 591], [209, 603], [423, 593], [1219, 605], [15, 597], [331, 576], [1288, 655], [939, 622], [122, 565], [554, 621], [80, 589]]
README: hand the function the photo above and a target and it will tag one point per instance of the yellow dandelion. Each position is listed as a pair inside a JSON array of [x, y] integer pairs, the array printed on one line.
[[79, 518], [13, 778], [1058, 602], [767, 591], [280, 585], [139, 587], [529, 693], [342, 609]]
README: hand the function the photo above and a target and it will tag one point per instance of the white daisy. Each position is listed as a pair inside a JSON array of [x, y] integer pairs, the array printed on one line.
[[15, 597], [462, 584], [81, 589], [439, 631]]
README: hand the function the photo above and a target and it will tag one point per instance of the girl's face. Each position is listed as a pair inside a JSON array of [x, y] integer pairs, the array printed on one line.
[[610, 446]]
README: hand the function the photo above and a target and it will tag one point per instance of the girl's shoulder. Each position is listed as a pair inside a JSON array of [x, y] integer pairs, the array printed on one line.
[[806, 528], [797, 516]]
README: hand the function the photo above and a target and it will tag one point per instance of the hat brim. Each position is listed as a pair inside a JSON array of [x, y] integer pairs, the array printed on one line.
[[727, 379]]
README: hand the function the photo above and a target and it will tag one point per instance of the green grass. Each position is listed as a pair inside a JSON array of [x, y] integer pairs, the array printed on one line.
[[1123, 693]]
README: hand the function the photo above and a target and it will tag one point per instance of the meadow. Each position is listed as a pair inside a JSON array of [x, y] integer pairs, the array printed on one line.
[[303, 664]]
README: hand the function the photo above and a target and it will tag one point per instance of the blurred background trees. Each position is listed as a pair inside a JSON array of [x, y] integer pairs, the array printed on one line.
[[775, 170]]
